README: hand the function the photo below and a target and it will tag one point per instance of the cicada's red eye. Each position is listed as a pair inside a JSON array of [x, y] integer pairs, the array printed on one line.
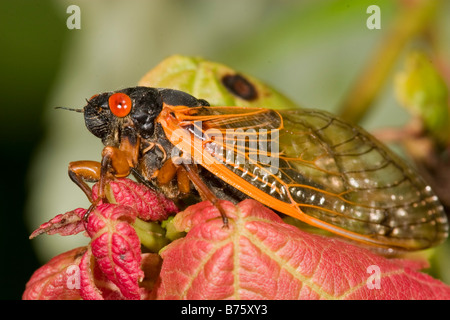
[[120, 104]]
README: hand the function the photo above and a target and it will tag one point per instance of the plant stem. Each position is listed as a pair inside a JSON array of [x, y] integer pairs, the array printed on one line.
[[412, 21]]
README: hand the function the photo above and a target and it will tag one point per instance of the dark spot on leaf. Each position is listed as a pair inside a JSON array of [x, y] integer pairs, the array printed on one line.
[[240, 86]]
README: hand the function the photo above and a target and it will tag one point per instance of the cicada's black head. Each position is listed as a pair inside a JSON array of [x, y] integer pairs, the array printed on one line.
[[107, 114]]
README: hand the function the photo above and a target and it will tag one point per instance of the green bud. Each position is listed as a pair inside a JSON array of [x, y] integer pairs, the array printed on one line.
[[421, 90], [214, 82]]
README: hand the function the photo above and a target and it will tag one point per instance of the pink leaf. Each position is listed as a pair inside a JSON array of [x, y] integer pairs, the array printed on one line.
[[89, 290], [95, 285], [260, 257], [66, 224], [56, 280], [148, 204], [116, 247]]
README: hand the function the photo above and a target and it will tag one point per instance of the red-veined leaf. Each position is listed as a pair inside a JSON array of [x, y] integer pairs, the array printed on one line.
[[89, 289], [148, 204], [260, 257], [66, 224], [116, 247], [58, 279], [95, 285]]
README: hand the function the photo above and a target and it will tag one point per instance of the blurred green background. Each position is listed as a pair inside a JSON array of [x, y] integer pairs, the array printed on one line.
[[312, 51]]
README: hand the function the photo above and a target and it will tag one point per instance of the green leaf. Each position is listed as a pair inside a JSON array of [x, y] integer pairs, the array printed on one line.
[[151, 234], [171, 231], [218, 84]]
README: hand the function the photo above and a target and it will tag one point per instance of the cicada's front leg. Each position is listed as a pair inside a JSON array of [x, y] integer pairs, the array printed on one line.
[[114, 164], [81, 172]]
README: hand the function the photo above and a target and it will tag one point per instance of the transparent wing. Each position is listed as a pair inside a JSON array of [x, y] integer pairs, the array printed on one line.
[[317, 168]]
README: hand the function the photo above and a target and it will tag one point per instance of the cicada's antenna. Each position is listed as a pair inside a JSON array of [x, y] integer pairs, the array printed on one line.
[[70, 109], [77, 110]]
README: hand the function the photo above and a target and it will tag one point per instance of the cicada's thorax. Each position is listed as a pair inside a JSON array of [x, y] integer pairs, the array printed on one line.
[[159, 162], [154, 153], [157, 166]]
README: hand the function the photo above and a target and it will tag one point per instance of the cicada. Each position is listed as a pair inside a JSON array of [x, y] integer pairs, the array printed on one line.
[[307, 164]]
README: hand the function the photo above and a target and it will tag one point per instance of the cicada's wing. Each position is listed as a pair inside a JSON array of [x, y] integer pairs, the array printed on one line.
[[345, 177], [310, 165]]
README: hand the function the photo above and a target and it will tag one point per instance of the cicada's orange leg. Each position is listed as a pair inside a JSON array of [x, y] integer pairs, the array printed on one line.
[[183, 181], [185, 174], [82, 171], [114, 164], [204, 191], [167, 172]]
